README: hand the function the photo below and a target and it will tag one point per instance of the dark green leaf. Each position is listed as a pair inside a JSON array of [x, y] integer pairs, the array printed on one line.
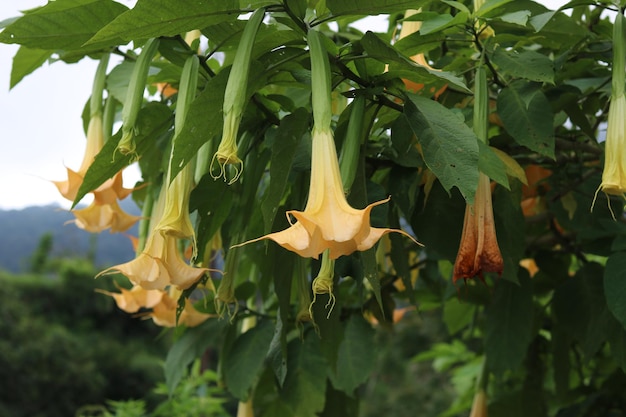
[[154, 119], [400, 65], [508, 329], [25, 61], [457, 314], [581, 310], [63, 24], [245, 358], [305, 386], [615, 286], [372, 7], [152, 18], [291, 130], [449, 146], [530, 65], [357, 355], [190, 346], [527, 117]]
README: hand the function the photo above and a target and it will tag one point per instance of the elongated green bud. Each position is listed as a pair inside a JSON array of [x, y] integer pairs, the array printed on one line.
[[235, 99], [349, 159], [481, 104], [320, 82], [134, 97], [95, 103], [176, 221], [619, 60]]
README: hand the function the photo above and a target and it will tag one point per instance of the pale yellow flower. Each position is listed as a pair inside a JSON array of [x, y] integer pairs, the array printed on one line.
[[479, 251], [159, 265], [96, 218], [164, 313], [328, 221], [137, 297], [614, 173]]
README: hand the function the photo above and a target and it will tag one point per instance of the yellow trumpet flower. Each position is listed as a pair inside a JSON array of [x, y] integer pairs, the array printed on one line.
[[328, 221], [614, 173]]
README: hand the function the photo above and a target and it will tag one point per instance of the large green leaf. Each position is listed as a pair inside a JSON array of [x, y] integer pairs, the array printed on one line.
[[357, 355], [615, 286], [305, 385], [152, 18], [508, 329], [449, 146], [245, 358], [527, 117], [25, 61], [491, 165], [154, 120], [402, 66], [581, 310], [292, 128], [188, 347], [372, 7], [530, 65], [63, 24]]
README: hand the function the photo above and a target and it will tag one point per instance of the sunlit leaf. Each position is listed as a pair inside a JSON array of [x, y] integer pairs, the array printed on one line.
[[449, 146], [25, 61]]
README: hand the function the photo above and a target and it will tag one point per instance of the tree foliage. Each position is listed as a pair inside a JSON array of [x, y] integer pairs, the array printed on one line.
[[485, 117]]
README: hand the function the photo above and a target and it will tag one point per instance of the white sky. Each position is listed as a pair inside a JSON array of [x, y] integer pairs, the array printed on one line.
[[41, 122]]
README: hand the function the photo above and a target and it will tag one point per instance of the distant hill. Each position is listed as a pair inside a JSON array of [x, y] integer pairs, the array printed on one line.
[[21, 231]]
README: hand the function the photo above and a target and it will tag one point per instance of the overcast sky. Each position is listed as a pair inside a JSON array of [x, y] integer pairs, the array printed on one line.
[[41, 129]]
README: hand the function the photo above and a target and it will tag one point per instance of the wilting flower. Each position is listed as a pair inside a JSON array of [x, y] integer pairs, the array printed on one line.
[[479, 406], [479, 251], [614, 174], [328, 221]]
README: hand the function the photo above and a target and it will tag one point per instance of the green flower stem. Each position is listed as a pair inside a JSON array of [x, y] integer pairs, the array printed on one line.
[[108, 117]]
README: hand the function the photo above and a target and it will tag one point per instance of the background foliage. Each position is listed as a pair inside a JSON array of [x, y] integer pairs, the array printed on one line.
[[545, 338]]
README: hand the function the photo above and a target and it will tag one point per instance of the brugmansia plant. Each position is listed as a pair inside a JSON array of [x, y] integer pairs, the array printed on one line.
[[303, 180]]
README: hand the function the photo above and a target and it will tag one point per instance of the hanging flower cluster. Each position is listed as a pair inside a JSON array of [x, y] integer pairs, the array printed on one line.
[[104, 212]]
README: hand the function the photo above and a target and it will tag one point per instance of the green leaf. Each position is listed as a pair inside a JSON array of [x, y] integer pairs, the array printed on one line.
[[439, 22], [63, 24], [370, 273], [188, 347], [153, 120], [519, 18], [581, 310], [615, 286], [372, 7], [457, 314], [245, 358], [357, 355], [305, 385], [530, 65], [449, 146], [404, 67], [212, 212], [527, 117], [153, 18], [491, 165], [25, 61], [490, 5], [509, 324], [291, 130]]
